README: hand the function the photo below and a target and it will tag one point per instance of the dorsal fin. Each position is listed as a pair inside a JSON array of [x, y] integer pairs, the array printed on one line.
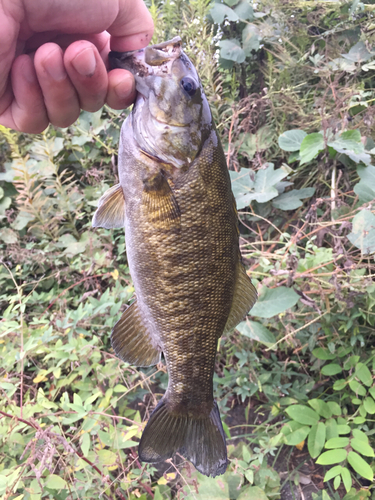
[[244, 298], [111, 209], [132, 341]]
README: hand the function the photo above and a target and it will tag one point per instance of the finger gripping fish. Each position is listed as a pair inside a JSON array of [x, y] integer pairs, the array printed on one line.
[[175, 201]]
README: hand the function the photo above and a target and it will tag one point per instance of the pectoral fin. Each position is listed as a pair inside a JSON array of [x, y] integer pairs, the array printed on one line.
[[244, 298], [160, 202], [131, 340], [111, 209]]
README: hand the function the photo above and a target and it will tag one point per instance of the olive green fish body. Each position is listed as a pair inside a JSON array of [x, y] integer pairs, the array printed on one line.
[[175, 202]]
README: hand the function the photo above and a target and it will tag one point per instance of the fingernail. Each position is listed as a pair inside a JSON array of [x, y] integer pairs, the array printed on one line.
[[85, 62], [125, 89], [55, 67]]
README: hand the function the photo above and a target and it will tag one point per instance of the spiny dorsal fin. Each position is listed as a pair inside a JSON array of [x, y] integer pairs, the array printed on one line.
[[244, 298], [131, 340], [111, 209], [200, 439], [159, 202]]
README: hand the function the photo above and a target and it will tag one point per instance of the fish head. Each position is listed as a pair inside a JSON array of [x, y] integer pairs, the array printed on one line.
[[171, 118]]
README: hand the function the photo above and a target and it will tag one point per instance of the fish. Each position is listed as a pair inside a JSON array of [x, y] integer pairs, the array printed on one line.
[[174, 200]]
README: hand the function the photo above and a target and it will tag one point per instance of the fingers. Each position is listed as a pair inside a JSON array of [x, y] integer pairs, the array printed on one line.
[[121, 89], [26, 112], [60, 99]]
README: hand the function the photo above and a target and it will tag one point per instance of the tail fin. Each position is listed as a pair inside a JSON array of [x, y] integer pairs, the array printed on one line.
[[201, 440]]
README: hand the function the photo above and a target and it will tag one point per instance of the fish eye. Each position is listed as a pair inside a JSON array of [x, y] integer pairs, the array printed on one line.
[[189, 85]]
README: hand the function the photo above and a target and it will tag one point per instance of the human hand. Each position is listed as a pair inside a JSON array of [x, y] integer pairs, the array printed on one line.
[[53, 56]]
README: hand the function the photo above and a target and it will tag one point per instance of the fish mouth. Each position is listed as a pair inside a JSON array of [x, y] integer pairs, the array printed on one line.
[[142, 62]]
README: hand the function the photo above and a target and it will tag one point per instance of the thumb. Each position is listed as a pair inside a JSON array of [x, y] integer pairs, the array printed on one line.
[[133, 27]]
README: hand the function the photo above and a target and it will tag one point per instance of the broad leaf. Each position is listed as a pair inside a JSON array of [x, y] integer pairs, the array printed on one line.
[[274, 301], [231, 49], [358, 53], [316, 439], [362, 447], [331, 369], [346, 478], [360, 466], [220, 11], [332, 457], [363, 232], [323, 354], [256, 331], [365, 188], [337, 442], [292, 199], [320, 407], [335, 471], [369, 405], [311, 146], [364, 374], [244, 11], [291, 140], [55, 482], [250, 38], [295, 433], [331, 429], [303, 414]]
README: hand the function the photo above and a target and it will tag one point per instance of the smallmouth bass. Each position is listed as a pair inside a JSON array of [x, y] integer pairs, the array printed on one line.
[[176, 204]]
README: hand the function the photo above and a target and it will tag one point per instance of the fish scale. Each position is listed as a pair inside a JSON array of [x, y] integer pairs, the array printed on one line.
[[175, 202]]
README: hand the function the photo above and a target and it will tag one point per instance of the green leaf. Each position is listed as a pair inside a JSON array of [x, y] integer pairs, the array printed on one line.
[[363, 232], [360, 466], [337, 482], [311, 146], [331, 427], [346, 479], [337, 442], [8, 236], [261, 189], [21, 221], [331, 369], [55, 482], [274, 301], [362, 372], [343, 429], [303, 414], [357, 388], [256, 331], [333, 472], [107, 457], [292, 199], [339, 385], [332, 457], [250, 38], [220, 11], [296, 436], [291, 140], [323, 354], [85, 443], [316, 439], [365, 188], [334, 407], [362, 447], [358, 53], [360, 435], [320, 407], [244, 11], [369, 405], [231, 49], [249, 493]]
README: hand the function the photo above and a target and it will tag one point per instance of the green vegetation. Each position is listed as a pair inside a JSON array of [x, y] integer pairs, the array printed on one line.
[[292, 89]]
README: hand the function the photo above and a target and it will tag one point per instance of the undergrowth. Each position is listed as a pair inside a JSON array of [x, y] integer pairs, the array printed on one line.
[[291, 87]]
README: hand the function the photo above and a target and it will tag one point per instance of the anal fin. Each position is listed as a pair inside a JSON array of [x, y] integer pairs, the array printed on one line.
[[245, 296], [111, 209], [131, 340]]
